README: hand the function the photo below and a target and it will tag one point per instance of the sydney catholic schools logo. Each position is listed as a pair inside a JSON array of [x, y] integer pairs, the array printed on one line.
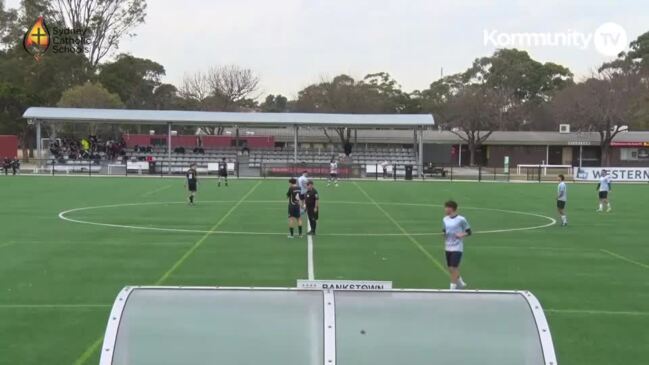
[[38, 39]]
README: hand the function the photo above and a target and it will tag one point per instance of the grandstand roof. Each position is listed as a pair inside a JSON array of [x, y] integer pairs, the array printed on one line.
[[177, 117]]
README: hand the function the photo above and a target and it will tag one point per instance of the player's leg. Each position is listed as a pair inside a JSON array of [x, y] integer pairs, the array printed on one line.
[[453, 262], [225, 177], [311, 214], [561, 208], [607, 203], [218, 181], [291, 226]]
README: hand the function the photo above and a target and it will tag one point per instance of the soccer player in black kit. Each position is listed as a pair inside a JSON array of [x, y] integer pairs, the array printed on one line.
[[192, 182], [223, 172], [294, 208], [312, 201]]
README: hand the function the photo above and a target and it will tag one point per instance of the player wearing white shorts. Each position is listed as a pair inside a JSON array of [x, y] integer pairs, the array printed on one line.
[[455, 228], [604, 187], [333, 173]]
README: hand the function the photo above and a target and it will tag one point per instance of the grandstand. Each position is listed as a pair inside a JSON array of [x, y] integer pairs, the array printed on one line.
[[247, 152]]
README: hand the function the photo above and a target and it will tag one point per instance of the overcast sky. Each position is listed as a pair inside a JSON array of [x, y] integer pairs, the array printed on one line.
[[292, 43]]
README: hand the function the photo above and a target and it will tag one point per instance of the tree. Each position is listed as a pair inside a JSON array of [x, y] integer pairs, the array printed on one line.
[[274, 104], [523, 83], [636, 59], [222, 88], [472, 113], [107, 21], [89, 95], [13, 102], [9, 30], [343, 94], [133, 79], [394, 99], [604, 104]]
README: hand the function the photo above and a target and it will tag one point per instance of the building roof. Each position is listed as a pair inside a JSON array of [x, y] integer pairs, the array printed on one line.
[[197, 118], [513, 138]]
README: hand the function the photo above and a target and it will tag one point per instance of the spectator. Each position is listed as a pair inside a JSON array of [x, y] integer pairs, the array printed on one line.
[[6, 164], [15, 165]]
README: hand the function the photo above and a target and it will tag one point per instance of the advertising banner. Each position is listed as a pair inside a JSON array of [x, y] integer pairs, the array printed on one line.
[[637, 174]]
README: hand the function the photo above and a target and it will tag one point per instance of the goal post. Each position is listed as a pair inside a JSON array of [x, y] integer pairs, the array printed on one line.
[[542, 171]]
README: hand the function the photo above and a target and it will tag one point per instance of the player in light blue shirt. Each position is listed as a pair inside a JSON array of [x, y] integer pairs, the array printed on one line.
[[455, 228], [562, 199], [604, 187], [302, 182]]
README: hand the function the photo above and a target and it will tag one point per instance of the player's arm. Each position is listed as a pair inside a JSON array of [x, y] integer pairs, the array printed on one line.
[[467, 230], [317, 202], [597, 188]]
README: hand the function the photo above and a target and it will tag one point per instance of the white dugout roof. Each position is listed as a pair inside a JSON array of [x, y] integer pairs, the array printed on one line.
[[284, 326], [197, 118]]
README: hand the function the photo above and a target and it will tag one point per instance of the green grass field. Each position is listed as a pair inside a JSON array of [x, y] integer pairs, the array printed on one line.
[[58, 278]]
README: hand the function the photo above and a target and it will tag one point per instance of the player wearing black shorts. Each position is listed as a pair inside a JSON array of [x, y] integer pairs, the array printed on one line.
[[312, 202], [192, 182], [294, 208], [223, 172]]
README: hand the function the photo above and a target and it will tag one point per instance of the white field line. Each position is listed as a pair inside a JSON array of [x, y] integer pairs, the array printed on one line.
[[309, 250], [63, 215], [155, 191], [54, 306]]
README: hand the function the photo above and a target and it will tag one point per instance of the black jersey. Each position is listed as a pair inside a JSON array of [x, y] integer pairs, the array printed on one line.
[[191, 176], [293, 195], [311, 197], [223, 166]]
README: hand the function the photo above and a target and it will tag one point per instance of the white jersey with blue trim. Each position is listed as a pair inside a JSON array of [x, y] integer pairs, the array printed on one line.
[[562, 191], [605, 183], [453, 226], [301, 182]]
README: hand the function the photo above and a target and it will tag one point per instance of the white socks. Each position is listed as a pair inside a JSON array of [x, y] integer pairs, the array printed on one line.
[[564, 219], [453, 286]]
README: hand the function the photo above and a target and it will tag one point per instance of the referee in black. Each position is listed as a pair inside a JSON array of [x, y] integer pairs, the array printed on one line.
[[312, 201]]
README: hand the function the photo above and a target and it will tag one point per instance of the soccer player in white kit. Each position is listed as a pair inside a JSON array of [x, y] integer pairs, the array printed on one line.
[[456, 227], [302, 181], [333, 172], [562, 199], [603, 188]]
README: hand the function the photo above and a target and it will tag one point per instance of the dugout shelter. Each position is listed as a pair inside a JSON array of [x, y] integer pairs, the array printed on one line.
[[289, 326]]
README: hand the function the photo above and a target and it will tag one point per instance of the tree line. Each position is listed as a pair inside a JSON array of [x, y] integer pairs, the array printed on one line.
[[505, 91]]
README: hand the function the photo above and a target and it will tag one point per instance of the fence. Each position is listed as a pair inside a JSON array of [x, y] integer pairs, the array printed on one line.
[[376, 171]]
